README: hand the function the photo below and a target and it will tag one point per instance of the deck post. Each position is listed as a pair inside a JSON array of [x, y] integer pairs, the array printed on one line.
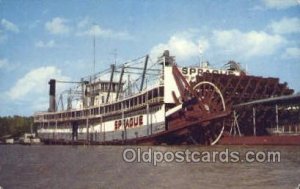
[[147, 112], [87, 130], [104, 137], [151, 124], [56, 130], [48, 127], [123, 121], [100, 132]]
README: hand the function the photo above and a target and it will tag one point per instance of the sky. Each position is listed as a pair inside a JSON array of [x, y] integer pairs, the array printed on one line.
[[43, 39]]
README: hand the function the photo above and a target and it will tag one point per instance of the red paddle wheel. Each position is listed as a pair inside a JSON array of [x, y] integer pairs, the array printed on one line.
[[200, 115]]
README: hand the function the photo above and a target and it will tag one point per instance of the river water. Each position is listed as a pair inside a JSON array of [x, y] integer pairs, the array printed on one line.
[[42, 166]]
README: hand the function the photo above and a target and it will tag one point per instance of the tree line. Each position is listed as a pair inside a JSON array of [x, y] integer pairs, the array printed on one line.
[[15, 126]]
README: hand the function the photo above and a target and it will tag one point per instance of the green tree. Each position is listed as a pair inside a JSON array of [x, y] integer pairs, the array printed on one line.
[[15, 126]]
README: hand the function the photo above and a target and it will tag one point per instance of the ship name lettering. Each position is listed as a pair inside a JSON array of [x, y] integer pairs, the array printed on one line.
[[129, 122], [200, 71]]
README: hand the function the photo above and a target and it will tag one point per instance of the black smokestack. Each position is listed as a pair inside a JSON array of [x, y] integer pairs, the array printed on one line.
[[52, 101]]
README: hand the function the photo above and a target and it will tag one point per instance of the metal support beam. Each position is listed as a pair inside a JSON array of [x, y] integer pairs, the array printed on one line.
[[277, 126], [110, 81], [92, 92], [120, 82], [138, 68], [144, 72], [235, 125], [138, 73], [254, 123], [61, 101], [181, 82]]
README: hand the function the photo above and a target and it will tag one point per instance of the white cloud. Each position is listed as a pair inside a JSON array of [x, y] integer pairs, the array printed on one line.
[[3, 63], [248, 44], [42, 44], [35, 83], [181, 45], [203, 45], [106, 33], [57, 26], [221, 43], [286, 26], [7, 25], [280, 4], [292, 52], [84, 22]]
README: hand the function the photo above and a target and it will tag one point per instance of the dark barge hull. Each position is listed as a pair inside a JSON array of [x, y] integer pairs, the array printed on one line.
[[226, 140], [260, 140]]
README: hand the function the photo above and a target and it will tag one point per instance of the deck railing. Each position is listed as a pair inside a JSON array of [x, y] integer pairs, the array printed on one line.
[[73, 115]]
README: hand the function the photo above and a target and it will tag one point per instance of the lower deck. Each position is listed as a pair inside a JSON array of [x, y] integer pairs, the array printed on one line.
[[117, 127]]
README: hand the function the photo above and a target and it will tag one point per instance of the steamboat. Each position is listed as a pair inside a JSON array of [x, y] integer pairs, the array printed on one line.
[[158, 103]]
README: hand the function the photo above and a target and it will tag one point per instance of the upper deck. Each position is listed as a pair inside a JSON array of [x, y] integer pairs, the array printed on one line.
[[139, 101]]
